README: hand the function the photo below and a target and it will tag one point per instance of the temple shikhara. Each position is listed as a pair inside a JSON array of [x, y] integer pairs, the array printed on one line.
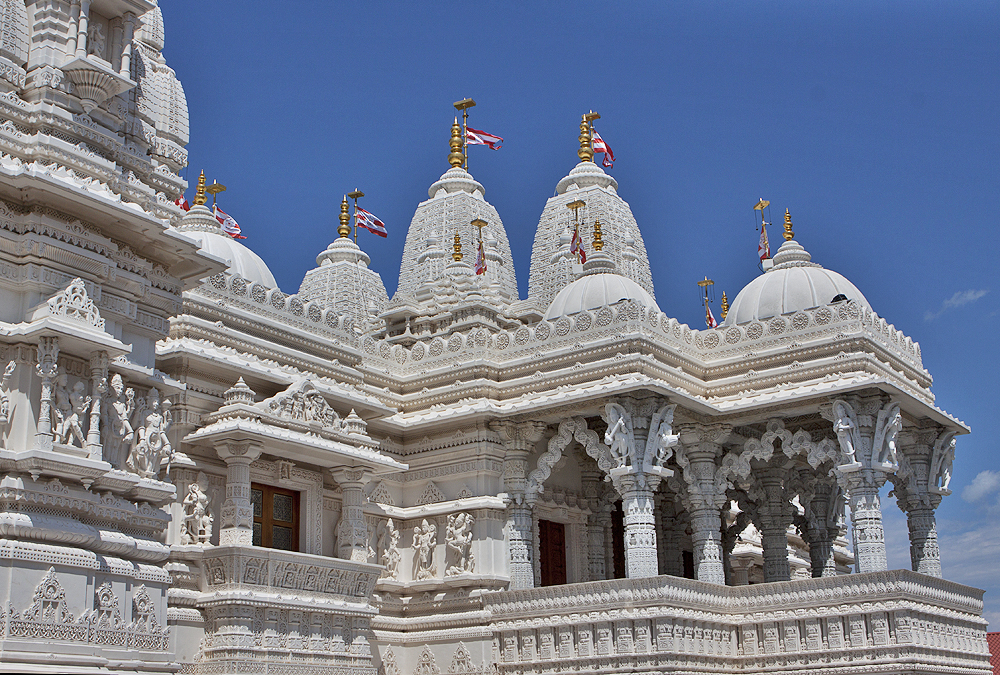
[[203, 473]]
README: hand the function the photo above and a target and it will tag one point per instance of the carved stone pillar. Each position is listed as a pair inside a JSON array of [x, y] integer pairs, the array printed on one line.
[[922, 480], [83, 28], [98, 387], [703, 493], [823, 510], [352, 530], [640, 526], [867, 433], [126, 67], [740, 571], [237, 512], [593, 488], [772, 515], [47, 368], [518, 439]]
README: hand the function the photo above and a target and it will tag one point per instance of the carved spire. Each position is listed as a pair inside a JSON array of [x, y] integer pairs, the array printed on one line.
[[344, 230], [199, 195], [456, 157]]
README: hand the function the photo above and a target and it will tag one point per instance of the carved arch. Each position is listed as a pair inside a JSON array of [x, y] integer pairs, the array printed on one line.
[[569, 430]]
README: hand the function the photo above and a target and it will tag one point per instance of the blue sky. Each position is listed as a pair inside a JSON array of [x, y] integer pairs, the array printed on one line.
[[876, 124]]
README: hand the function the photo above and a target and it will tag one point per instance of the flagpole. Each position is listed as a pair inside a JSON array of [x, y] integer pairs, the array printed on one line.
[[705, 284], [355, 195], [464, 106]]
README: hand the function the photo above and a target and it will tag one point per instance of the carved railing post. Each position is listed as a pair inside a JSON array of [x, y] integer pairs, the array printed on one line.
[[98, 387], [237, 512], [47, 368], [352, 530], [867, 434], [640, 433], [519, 440], [702, 489], [925, 464]]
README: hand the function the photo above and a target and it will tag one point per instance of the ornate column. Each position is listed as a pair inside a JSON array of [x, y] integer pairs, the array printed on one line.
[[83, 28], [925, 464], [866, 430], [98, 387], [771, 511], [640, 433], [702, 489], [47, 369], [823, 506], [518, 439], [126, 66], [590, 478], [352, 530], [237, 512]]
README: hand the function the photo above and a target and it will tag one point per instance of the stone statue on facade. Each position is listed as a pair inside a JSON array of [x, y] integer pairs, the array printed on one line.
[[458, 539], [71, 407], [5, 395], [196, 527], [618, 435], [424, 543], [116, 426], [941, 464], [150, 444], [388, 544]]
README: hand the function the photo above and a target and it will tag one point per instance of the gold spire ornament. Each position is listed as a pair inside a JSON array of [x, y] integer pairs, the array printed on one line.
[[724, 307], [789, 235], [464, 106], [199, 195], [457, 255], [586, 151], [598, 242], [214, 189], [344, 230], [456, 157]]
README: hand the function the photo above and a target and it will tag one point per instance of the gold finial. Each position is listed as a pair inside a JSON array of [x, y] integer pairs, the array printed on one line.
[[344, 230], [480, 223], [725, 306], [199, 195], [789, 235], [586, 152], [598, 242], [457, 255], [456, 157]]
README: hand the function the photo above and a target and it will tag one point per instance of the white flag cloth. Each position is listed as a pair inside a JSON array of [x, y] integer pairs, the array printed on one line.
[[229, 224], [601, 146], [481, 260], [370, 222], [710, 318], [763, 248], [477, 137], [576, 246]]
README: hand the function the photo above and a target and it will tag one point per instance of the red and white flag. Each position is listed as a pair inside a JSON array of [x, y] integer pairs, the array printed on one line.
[[601, 146], [477, 137], [710, 318], [183, 203], [763, 249], [576, 246], [370, 222], [481, 260], [229, 224]]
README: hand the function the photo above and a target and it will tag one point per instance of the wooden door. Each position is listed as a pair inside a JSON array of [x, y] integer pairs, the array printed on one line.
[[552, 549]]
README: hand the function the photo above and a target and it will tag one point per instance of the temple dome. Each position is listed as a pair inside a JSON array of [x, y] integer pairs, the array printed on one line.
[[456, 199], [599, 286], [551, 260], [793, 284], [343, 281], [200, 225]]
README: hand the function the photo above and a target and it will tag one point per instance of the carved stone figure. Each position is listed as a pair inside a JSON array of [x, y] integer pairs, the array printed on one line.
[[116, 426], [424, 542], [617, 435], [197, 525], [941, 467], [96, 40], [5, 395], [458, 538], [388, 544], [71, 407], [846, 431], [150, 444]]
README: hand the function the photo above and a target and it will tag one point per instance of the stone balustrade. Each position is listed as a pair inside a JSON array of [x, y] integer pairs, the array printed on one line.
[[897, 621]]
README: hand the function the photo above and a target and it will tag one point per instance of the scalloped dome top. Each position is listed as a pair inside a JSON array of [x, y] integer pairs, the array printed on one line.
[[794, 283], [593, 291], [14, 31], [200, 225], [551, 260]]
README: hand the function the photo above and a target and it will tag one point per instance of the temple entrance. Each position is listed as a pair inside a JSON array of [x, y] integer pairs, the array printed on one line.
[[552, 552]]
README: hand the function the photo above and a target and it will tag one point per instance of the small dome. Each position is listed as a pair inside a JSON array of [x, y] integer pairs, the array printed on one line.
[[594, 291], [14, 29], [793, 284], [200, 225]]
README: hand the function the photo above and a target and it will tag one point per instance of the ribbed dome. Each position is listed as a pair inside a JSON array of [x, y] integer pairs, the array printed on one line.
[[200, 225], [793, 284], [342, 280], [551, 260], [594, 291]]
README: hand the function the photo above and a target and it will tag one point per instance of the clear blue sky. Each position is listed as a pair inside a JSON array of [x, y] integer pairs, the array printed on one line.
[[875, 123]]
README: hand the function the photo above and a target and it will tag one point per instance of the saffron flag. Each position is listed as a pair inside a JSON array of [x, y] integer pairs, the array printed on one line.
[[763, 248], [477, 137], [481, 260], [601, 146], [183, 203], [370, 222], [576, 246], [710, 318], [229, 224]]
